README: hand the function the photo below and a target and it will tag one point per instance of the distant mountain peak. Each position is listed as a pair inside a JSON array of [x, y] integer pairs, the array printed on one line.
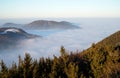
[[11, 25], [45, 24]]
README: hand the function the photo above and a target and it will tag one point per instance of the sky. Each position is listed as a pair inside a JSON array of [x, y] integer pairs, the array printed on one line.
[[59, 8]]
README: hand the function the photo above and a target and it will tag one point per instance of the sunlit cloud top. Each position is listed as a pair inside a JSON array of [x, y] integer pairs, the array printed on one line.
[[59, 8]]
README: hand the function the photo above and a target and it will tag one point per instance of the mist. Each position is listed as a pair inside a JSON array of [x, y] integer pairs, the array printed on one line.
[[92, 31]]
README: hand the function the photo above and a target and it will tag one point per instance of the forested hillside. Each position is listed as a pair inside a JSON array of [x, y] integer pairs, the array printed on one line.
[[101, 60]]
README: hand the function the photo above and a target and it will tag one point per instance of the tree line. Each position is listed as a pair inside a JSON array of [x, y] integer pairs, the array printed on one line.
[[95, 62]]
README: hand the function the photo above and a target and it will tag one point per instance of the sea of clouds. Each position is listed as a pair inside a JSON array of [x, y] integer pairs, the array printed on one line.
[[92, 30]]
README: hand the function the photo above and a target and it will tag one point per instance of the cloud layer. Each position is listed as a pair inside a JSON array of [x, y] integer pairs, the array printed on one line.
[[91, 31]]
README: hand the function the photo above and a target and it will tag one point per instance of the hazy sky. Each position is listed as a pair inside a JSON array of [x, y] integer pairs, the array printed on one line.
[[59, 8]]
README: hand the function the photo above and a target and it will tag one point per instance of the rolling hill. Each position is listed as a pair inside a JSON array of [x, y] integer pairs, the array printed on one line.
[[43, 24], [11, 36]]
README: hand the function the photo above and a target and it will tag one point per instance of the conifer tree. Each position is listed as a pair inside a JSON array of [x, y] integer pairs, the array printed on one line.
[[27, 66], [3, 70]]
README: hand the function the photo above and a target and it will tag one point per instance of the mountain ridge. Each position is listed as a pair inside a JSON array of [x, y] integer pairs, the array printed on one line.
[[43, 24]]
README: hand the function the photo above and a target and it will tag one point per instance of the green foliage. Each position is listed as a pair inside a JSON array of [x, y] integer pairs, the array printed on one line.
[[71, 70]]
